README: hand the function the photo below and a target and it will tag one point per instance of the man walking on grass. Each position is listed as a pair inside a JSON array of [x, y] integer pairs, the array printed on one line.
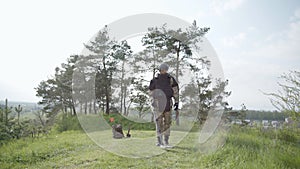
[[163, 88]]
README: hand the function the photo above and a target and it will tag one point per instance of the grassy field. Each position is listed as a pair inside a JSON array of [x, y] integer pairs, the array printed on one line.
[[244, 148]]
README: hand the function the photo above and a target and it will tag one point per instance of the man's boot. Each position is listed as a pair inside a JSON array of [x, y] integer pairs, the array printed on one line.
[[159, 141], [167, 145]]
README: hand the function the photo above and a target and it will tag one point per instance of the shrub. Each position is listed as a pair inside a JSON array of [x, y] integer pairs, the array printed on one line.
[[66, 122], [288, 135]]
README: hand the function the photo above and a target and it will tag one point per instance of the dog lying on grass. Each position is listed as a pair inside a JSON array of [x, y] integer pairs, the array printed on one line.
[[117, 131]]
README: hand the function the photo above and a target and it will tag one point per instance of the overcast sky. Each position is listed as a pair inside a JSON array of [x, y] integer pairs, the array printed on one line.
[[256, 41]]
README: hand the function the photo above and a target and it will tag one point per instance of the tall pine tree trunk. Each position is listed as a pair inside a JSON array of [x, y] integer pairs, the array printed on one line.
[[73, 107], [90, 108], [122, 89], [177, 76], [85, 107], [107, 86], [124, 100]]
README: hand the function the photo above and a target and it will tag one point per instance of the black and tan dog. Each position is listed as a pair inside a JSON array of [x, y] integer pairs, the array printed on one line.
[[117, 131]]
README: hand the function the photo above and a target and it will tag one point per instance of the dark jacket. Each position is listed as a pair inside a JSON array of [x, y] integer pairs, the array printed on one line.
[[168, 86]]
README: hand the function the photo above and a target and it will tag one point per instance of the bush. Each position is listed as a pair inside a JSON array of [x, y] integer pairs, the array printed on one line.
[[66, 122], [4, 133], [288, 135]]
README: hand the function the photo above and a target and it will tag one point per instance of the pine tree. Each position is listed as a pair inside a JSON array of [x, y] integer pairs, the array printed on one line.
[[18, 110]]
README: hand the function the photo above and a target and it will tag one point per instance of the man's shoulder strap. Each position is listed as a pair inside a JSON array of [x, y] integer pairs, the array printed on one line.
[[171, 80]]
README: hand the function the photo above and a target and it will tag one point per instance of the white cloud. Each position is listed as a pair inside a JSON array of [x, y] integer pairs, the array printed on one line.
[[255, 69], [296, 15], [38, 36], [220, 6], [283, 45], [252, 28], [294, 32], [235, 40]]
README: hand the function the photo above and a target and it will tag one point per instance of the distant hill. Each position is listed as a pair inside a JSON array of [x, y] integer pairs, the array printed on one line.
[[18, 102], [28, 108], [26, 105], [263, 115]]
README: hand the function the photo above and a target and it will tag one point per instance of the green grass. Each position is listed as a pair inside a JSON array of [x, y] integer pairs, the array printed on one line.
[[244, 148]]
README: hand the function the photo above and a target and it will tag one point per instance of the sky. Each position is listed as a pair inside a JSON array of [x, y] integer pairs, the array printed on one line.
[[256, 41]]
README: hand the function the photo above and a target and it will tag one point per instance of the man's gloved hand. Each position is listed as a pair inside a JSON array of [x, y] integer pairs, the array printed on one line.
[[176, 106]]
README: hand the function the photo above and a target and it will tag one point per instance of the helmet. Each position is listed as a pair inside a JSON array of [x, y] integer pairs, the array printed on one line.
[[163, 66]]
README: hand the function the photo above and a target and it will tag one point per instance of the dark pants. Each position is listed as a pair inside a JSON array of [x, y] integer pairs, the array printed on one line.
[[163, 117], [164, 123]]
